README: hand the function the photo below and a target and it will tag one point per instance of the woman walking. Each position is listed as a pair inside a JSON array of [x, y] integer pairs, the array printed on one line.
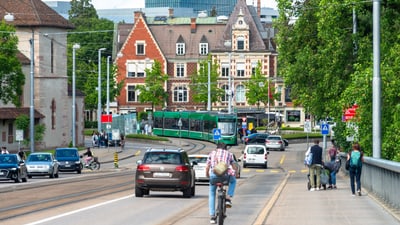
[[356, 158]]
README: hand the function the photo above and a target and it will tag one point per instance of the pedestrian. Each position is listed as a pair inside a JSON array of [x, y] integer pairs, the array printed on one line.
[[4, 150], [221, 154], [333, 152], [356, 157], [95, 139], [316, 164], [122, 141], [333, 168], [21, 154]]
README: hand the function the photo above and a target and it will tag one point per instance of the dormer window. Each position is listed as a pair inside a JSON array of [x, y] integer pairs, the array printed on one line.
[[203, 48], [180, 49], [240, 43]]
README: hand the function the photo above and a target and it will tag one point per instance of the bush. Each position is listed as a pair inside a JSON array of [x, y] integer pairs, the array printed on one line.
[[90, 124]]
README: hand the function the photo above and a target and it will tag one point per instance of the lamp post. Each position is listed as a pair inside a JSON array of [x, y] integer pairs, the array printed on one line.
[[32, 106], [230, 85], [209, 87], [74, 48], [108, 85], [99, 93]]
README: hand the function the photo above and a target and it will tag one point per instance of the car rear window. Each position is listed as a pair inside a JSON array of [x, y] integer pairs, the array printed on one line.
[[274, 138], [162, 158], [255, 150], [198, 159]]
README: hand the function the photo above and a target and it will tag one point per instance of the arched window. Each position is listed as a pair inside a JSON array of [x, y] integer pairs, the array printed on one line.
[[180, 94], [240, 93]]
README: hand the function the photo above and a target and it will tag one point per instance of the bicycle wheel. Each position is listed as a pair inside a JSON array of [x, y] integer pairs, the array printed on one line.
[[221, 209]]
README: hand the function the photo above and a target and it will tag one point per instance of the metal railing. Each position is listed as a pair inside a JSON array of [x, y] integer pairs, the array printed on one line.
[[380, 177]]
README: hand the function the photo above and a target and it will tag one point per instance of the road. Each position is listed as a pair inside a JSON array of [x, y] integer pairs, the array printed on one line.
[[108, 198]]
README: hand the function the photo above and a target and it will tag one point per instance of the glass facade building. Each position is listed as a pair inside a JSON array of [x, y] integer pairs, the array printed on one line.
[[222, 7]]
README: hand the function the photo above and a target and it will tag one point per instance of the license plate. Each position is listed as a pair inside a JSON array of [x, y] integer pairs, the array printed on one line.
[[161, 175], [67, 165]]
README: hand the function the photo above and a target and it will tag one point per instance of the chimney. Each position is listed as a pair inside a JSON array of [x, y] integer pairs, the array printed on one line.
[[259, 8], [171, 12], [193, 25]]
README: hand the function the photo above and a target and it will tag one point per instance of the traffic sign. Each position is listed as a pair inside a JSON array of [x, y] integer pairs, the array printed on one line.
[[216, 134], [307, 126], [324, 129]]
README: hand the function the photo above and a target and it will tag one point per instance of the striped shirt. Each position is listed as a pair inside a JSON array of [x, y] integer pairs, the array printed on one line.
[[221, 155]]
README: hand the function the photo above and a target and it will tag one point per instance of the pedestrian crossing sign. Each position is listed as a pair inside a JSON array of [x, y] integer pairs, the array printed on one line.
[[324, 129], [217, 134]]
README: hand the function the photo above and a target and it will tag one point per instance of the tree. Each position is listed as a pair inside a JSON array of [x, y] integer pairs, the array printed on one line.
[[12, 78], [259, 88], [92, 34], [199, 83], [153, 91]]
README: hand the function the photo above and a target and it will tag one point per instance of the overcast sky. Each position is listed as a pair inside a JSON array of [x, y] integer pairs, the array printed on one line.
[[110, 4]]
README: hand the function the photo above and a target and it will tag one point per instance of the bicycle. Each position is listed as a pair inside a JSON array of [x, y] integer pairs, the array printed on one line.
[[93, 164], [220, 211]]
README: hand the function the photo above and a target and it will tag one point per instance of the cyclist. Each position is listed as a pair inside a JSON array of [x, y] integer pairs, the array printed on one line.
[[218, 155], [89, 156]]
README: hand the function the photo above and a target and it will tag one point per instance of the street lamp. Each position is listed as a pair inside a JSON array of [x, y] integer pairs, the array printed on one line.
[[74, 48], [108, 85], [209, 87], [99, 93]]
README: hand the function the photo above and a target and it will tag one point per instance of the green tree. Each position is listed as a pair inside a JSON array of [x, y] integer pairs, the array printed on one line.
[[11, 77], [199, 83], [92, 34], [257, 88], [153, 91]]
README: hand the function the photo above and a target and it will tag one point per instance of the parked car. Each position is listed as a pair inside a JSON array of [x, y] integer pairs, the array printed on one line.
[[200, 163], [256, 138], [12, 167], [275, 142], [255, 155], [42, 164], [165, 170], [68, 160]]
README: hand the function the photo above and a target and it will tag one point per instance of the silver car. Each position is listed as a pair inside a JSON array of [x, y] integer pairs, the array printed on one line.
[[275, 142], [42, 164]]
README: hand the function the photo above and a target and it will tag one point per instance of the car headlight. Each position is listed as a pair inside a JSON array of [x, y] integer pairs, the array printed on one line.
[[13, 169], [77, 162]]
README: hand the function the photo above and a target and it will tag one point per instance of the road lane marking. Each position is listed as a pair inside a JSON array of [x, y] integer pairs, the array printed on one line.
[[282, 159], [79, 210]]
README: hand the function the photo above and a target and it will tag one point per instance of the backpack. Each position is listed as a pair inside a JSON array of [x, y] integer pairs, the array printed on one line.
[[308, 159], [221, 167], [355, 159]]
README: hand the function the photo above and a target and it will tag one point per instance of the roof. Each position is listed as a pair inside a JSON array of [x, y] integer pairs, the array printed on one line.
[[13, 113], [28, 13]]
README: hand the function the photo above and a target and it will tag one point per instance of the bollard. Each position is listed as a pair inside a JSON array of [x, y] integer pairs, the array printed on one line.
[[115, 160]]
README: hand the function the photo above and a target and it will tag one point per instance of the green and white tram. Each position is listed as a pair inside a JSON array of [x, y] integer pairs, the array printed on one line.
[[196, 125]]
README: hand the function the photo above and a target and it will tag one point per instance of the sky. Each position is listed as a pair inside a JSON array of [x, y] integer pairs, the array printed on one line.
[[111, 4]]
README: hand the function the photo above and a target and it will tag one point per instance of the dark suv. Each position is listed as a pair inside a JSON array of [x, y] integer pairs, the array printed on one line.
[[68, 160], [165, 170]]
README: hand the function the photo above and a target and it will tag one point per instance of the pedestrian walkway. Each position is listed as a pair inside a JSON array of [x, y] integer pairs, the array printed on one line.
[[294, 204]]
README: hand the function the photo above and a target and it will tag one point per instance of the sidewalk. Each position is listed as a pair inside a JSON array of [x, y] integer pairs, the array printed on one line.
[[294, 204]]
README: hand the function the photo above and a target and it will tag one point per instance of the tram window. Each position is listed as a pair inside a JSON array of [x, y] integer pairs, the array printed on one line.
[[171, 123], [158, 122], [227, 128], [195, 125], [185, 124]]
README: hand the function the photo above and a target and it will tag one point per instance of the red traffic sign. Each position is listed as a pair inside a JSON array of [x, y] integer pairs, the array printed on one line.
[[106, 118]]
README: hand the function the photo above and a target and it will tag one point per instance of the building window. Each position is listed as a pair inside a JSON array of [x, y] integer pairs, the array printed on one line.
[[225, 97], [293, 115], [240, 94], [133, 94], [140, 48], [240, 43], [137, 69], [203, 48], [180, 94], [180, 69], [240, 69], [253, 68], [225, 69], [287, 94], [180, 48]]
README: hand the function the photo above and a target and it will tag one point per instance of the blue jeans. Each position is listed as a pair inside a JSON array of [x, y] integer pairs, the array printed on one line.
[[355, 174], [333, 178], [213, 190]]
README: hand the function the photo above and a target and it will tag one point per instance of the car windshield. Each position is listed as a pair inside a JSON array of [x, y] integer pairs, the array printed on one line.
[[255, 150], [6, 159], [66, 153], [39, 158], [198, 159], [162, 158]]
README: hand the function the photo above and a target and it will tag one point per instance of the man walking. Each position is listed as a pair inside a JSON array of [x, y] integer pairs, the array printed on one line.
[[315, 168]]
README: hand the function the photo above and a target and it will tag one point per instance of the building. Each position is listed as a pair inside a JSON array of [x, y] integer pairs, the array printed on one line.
[[52, 97], [221, 7], [180, 43]]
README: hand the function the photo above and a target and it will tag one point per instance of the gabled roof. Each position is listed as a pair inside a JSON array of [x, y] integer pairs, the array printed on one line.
[[33, 13], [13, 113], [256, 40]]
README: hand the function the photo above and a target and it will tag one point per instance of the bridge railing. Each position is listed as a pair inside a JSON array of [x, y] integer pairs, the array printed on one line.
[[380, 177]]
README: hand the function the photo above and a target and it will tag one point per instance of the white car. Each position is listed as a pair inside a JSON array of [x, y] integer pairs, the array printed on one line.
[[275, 142], [200, 168], [255, 155]]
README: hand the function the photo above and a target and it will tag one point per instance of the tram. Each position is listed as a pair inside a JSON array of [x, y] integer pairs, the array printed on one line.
[[196, 125]]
